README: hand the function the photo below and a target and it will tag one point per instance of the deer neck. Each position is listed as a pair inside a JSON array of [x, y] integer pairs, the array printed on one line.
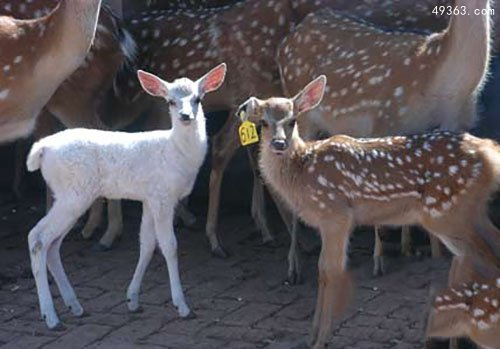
[[285, 172], [466, 49], [191, 141], [73, 27]]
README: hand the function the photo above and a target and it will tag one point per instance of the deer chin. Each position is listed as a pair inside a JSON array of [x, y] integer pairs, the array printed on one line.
[[278, 152]]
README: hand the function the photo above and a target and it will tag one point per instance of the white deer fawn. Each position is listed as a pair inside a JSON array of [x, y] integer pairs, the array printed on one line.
[[440, 180], [469, 307], [157, 168], [388, 83]]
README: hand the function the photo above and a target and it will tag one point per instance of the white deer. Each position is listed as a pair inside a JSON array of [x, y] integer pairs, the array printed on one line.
[[157, 168]]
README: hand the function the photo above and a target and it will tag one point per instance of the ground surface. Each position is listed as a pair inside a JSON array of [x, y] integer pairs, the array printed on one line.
[[240, 302]]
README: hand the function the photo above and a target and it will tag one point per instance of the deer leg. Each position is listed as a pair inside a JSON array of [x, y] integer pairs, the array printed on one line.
[[335, 285], [378, 254], [52, 227], [115, 224], [259, 213], [224, 145], [164, 229], [147, 248], [406, 241], [436, 250], [94, 219], [188, 218], [57, 270]]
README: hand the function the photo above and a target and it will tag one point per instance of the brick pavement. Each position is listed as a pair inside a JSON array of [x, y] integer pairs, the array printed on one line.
[[240, 302]]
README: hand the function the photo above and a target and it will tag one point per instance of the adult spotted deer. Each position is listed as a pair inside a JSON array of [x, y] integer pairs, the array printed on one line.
[[440, 180], [469, 307], [77, 99], [404, 83], [38, 55]]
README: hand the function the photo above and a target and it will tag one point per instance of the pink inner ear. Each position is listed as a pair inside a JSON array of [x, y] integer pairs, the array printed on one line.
[[311, 97], [214, 79], [152, 84]]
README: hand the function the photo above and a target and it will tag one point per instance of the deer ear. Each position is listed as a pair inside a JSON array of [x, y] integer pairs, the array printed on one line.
[[310, 96], [248, 110], [213, 79], [152, 84]]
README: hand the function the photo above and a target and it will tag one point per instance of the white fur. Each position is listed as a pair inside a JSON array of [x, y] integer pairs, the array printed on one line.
[[80, 165]]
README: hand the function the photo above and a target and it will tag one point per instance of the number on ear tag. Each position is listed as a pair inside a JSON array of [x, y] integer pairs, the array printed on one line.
[[248, 133]]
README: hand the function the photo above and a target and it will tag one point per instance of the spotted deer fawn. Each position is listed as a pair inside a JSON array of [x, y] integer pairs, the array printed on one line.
[[377, 91], [440, 180], [470, 306]]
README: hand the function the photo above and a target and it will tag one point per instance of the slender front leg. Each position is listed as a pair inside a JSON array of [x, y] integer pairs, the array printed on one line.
[[259, 212], [378, 254], [224, 145], [57, 270], [334, 283], [147, 248], [164, 229], [115, 224], [406, 241]]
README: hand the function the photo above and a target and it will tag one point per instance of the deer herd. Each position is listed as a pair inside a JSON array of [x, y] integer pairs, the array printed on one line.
[[362, 108]]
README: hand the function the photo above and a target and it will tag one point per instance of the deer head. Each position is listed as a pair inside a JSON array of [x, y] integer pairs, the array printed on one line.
[[183, 96], [278, 116]]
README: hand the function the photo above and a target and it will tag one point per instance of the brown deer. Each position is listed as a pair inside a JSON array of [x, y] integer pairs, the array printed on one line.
[[38, 55], [377, 91], [469, 307], [440, 180]]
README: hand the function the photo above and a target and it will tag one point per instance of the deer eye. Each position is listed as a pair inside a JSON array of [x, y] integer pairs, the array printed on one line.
[[171, 103], [197, 100], [263, 123], [291, 123]]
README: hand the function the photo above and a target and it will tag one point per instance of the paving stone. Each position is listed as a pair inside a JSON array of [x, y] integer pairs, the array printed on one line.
[[250, 314], [27, 342], [240, 302], [80, 337]]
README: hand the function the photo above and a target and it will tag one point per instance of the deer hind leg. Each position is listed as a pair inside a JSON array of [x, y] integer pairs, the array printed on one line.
[[378, 254], [436, 250], [54, 226], [186, 216], [57, 271], [464, 239], [224, 145], [115, 224], [259, 213], [94, 219], [334, 282]]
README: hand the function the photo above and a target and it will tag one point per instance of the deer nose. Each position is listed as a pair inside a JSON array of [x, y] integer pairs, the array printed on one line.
[[185, 117], [279, 144]]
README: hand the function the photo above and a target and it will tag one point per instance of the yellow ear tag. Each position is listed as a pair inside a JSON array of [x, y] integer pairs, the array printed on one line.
[[248, 131]]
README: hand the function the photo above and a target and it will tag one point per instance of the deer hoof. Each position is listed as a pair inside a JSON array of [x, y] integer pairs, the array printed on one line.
[[219, 252], [98, 247]]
